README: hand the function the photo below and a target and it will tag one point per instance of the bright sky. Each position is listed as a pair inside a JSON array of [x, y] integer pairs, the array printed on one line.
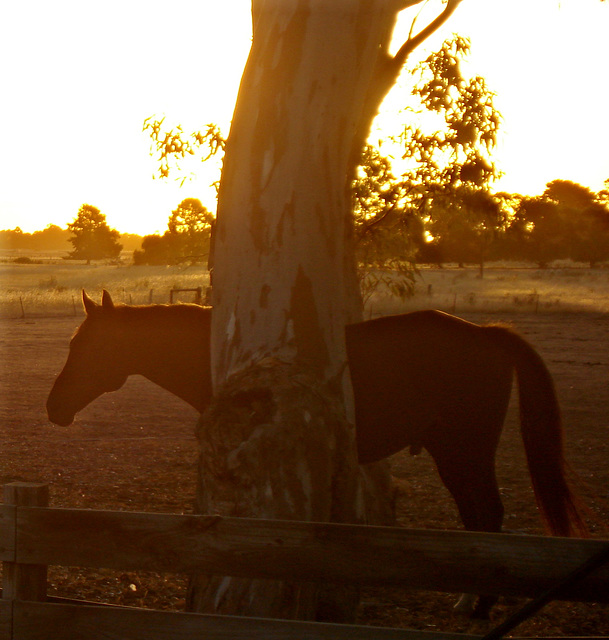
[[78, 79]]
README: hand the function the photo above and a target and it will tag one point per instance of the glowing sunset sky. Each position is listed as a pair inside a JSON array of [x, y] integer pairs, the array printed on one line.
[[78, 79]]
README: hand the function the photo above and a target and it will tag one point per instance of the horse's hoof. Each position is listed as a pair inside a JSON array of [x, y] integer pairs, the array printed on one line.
[[466, 604]]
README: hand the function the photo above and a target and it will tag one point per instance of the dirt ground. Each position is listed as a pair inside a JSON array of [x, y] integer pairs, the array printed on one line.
[[135, 450]]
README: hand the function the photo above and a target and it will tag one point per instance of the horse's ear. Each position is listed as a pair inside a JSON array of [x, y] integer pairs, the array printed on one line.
[[107, 304], [90, 306]]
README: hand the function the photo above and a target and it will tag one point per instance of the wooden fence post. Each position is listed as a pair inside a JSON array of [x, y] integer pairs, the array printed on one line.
[[24, 581]]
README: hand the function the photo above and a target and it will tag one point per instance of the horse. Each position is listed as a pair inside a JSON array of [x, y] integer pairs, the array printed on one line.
[[424, 379], [168, 344], [430, 380]]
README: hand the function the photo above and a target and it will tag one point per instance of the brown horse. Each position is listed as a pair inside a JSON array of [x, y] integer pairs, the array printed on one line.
[[424, 379], [430, 380], [168, 344]]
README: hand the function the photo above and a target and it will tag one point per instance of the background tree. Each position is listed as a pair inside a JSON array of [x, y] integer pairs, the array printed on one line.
[[13, 239], [451, 169], [186, 239], [585, 220], [538, 231], [91, 236], [191, 224], [155, 250], [567, 221], [51, 238]]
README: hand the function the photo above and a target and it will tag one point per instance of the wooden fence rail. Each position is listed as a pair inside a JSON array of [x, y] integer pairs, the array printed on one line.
[[33, 536]]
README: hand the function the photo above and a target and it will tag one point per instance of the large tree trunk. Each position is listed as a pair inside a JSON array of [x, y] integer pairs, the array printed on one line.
[[284, 279], [278, 441]]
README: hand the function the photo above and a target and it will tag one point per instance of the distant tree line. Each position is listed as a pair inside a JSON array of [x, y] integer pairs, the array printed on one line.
[[53, 238], [89, 237], [398, 225], [567, 221]]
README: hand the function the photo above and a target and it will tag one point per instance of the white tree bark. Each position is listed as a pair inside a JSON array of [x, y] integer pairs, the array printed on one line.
[[284, 275]]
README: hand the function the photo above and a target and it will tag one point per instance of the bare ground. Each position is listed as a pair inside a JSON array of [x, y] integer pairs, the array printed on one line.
[[136, 450]]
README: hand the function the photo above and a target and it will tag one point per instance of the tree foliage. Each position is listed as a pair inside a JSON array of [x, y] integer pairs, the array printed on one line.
[[567, 221], [451, 168], [186, 239], [91, 236], [459, 152], [386, 235], [172, 145], [443, 195]]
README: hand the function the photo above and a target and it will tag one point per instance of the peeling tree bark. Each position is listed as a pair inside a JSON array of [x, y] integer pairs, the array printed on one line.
[[278, 441], [284, 280], [274, 446]]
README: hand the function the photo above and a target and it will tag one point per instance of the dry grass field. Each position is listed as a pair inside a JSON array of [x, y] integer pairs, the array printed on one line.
[[54, 287], [504, 288], [135, 449]]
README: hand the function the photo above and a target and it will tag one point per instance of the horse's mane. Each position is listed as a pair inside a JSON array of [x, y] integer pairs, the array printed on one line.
[[149, 310], [181, 314]]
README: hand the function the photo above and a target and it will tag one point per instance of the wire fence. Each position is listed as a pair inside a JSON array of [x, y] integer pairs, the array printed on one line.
[[43, 293], [32, 306], [455, 304], [41, 289], [35, 304]]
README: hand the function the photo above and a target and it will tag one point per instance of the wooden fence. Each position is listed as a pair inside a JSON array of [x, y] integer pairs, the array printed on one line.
[[32, 536]]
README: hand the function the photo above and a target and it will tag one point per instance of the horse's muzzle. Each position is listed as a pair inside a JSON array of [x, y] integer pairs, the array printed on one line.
[[57, 415]]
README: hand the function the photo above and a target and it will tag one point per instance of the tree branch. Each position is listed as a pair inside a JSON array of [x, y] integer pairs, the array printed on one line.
[[412, 43], [405, 4], [374, 222]]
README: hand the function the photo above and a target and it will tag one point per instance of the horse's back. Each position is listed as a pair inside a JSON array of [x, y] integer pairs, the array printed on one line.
[[417, 373]]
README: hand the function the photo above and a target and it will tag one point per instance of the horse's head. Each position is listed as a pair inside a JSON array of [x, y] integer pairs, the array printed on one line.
[[95, 363]]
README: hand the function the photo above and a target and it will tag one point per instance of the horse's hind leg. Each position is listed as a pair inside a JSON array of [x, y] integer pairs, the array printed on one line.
[[473, 485]]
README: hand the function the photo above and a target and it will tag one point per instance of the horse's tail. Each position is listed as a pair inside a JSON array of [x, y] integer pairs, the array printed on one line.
[[542, 434]]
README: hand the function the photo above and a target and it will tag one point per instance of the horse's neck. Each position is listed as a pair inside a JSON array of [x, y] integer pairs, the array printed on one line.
[[174, 355]]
